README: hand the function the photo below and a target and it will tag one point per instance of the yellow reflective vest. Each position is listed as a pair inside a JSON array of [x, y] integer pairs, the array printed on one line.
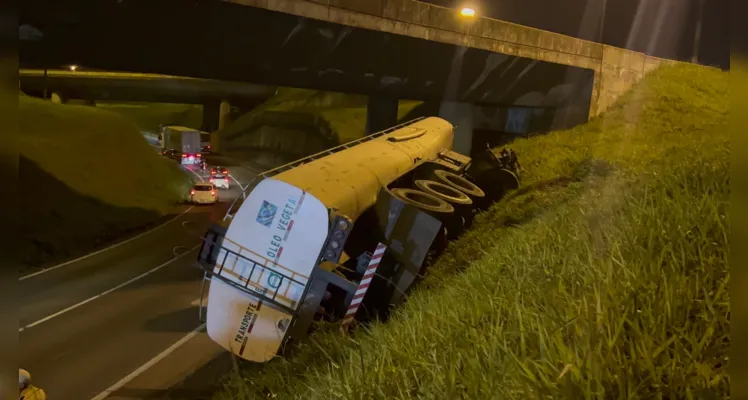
[[32, 392]]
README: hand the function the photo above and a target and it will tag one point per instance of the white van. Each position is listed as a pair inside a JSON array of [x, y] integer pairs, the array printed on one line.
[[220, 181]]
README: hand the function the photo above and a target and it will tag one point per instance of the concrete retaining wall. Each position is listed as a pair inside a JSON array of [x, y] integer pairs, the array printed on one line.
[[615, 69]]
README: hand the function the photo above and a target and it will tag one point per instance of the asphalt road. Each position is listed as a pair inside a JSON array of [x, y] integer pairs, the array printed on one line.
[[109, 319]]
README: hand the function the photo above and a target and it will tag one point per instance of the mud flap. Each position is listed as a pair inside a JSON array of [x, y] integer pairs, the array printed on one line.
[[409, 234]]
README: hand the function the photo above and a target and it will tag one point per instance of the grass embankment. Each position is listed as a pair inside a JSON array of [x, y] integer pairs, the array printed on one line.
[[148, 116], [87, 177], [345, 113], [604, 276]]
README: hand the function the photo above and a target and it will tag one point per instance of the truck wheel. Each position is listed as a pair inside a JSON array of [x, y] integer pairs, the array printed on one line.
[[462, 203], [443, 191], [460, 183], [497, 183], [438, 208], [509, 180], [424, 201]]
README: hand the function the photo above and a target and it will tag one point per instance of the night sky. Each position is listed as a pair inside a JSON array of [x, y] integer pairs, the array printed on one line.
[[662, 28]]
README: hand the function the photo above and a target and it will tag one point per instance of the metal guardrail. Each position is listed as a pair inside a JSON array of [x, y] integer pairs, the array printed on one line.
[[313, 157]]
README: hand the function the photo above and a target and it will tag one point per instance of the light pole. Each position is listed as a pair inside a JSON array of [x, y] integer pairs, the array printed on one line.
[[602, 22], [45, 82], [697, 35]]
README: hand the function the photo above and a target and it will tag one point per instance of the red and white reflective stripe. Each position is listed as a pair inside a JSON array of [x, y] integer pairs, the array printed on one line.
[[358, 297]]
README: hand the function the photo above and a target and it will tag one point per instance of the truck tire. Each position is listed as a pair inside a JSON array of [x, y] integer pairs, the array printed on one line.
[[462, 203], [444, 191], [460, 183], [509, 180], [424, 201], [497, 183], [440, 209]]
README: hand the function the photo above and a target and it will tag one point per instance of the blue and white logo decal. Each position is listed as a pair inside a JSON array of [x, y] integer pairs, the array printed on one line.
[[267, 213]]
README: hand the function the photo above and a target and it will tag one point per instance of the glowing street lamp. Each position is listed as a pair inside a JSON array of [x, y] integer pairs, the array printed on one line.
[[73, 67], [467, 12]]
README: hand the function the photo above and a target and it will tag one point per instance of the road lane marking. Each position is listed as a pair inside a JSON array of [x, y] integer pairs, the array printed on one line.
[[143, 368], [74, 306], [237, 182], [31, 275], [196, 174]]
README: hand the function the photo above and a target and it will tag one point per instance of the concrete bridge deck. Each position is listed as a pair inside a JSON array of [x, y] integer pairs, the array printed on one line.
[[130, 86], [615, 69]]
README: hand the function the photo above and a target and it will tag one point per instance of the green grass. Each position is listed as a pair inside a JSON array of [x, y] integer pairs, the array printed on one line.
[[148, 116], [87, 177], [604, 276]]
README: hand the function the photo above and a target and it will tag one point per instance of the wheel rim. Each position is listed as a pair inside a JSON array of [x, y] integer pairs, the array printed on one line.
[[459, 183], [443, 191], [423, 200], [509, 179]]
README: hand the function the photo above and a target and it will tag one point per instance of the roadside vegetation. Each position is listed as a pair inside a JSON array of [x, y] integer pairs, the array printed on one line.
[[87, 177], [604, 276]]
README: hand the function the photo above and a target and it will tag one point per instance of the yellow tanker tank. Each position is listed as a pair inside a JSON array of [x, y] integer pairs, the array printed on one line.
[[305, 240], [349, 180]]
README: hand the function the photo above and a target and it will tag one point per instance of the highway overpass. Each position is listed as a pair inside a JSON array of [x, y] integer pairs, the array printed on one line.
[[615, 69], [216, 96], [387, 49]]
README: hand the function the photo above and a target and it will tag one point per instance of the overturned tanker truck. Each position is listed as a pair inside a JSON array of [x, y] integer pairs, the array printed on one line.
[[298, 245]]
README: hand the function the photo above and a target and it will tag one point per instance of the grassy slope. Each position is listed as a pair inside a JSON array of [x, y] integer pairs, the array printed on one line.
[[604, 276], [148, 116], [87, 177], [346, 113]]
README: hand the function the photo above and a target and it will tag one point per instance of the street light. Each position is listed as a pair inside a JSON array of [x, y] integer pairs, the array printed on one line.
[[467, 12], [73, 67]]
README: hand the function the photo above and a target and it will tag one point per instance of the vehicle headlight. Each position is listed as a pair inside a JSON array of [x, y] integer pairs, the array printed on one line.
[[343, 225], [335, 244]]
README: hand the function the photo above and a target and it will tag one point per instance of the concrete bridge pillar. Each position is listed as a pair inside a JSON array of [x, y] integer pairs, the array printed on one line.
[[216, 115], [57, 98], [461, 116], [381, 113], [210, 116], [224, 111]]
